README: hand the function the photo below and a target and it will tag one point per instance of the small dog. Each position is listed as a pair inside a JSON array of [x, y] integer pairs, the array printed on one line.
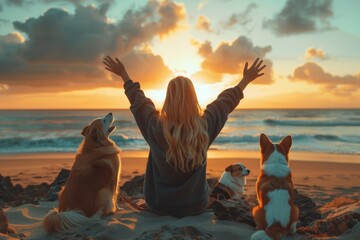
[[276, 214], [232, 182], [93, 182]]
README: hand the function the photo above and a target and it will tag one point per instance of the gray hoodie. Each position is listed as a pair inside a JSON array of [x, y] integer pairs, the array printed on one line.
[[168, 191]]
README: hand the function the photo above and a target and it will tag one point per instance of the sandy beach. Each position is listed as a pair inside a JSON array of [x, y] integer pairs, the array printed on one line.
[[320, 180]]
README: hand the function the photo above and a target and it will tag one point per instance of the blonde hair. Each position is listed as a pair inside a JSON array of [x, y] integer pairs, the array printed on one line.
[[184, 127]]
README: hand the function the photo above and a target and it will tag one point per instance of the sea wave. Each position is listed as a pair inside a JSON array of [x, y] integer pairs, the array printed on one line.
[[327, 123], [60, 144]]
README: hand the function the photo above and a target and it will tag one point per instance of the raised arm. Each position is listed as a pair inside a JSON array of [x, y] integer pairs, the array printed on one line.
[[142, 107], [216, 113]]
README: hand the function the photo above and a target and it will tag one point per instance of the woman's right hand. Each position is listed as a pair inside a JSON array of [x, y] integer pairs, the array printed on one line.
[[116, 67]]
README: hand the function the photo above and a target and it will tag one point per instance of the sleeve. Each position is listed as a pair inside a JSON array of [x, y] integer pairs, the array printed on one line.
[[142, 108], [216, 113]]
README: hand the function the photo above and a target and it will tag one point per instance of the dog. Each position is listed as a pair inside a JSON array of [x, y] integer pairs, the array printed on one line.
[[276, 214], [232, 182], [93, 183]]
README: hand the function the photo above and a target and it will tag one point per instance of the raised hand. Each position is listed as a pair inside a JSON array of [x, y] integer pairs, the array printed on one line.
[[252, 73], [117, 67]]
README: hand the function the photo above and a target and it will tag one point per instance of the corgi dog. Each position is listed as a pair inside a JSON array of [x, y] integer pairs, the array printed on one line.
[[232, 182], [93, 183], [276, 214]]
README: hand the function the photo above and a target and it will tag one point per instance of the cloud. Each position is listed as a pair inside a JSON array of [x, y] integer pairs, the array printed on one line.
[[147, 68], [301, 17], [315, 53], [314, 74], [203, 23], [15, 2], [230, 58], [202, 4], [64, 51], [242, 19]]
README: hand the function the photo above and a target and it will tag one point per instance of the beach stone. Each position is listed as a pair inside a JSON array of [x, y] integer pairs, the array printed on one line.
[[170, 232], [134, 187], [307, 208], [234, 210], [337, 225], [57, 184], [7, 189], [339, 221]]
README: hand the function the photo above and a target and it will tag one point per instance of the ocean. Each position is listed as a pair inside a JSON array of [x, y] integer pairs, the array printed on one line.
[[326, 131]]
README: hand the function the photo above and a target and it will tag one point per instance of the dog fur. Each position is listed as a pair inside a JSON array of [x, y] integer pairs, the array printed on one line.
[[93, 182], [232, 182], [276, 214]]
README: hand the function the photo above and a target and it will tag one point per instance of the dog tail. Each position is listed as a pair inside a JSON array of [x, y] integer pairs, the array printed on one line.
[[274, 231], [56, 221], [260, 235]]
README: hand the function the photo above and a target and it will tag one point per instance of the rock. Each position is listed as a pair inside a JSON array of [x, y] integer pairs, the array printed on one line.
[[57, 184], [134, 187], [308, 209], [234, 210], [7, 190], [338, 221], [170, 232], [4, 222]]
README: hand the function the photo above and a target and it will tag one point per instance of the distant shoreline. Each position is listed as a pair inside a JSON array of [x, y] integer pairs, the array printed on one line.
[[117, 109]]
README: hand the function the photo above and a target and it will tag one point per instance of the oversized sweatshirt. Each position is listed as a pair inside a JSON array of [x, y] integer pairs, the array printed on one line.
[[167, 190]]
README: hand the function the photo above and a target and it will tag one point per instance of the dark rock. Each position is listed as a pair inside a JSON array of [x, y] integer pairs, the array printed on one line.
[[170, 232], [337, 225], [308, 209], [57, 184], [234, 210], [4, 222], [134, 187]]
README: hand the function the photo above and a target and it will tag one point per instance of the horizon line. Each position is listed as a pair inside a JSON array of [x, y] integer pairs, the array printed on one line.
[[101, 109]]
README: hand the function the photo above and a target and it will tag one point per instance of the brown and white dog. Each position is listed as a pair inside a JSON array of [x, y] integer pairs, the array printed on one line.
[[232, 182], [276, 214], [92, 185]]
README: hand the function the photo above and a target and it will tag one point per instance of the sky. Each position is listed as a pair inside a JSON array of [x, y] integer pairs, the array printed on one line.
[[51, 51]]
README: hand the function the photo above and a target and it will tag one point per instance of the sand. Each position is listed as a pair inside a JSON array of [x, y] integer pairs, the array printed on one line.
[[313, 176]]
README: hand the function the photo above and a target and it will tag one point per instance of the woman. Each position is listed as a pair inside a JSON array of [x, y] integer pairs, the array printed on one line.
[[179, 136]]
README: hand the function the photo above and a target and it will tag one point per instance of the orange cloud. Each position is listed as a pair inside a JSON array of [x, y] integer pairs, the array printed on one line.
[[147, 68], [203, 23], [231, 57], [315, 53], [314, 74]]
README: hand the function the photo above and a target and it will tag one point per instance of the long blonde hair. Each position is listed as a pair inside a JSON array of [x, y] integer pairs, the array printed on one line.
[[184, 127]]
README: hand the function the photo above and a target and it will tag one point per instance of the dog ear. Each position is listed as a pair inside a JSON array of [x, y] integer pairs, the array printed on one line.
[[264, 142], [286, 143], [83, 132], [228, 169]]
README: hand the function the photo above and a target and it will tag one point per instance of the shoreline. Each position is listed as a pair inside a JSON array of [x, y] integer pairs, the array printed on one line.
[[234, 154]]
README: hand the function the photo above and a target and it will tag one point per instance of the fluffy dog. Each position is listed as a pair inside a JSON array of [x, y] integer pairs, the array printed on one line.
[[92, 186], [232, 182], [276, 214]]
